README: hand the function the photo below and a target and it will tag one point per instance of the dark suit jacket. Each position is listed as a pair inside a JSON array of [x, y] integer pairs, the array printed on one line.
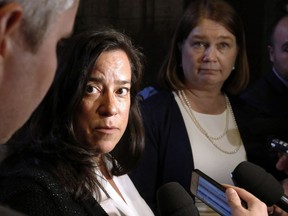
[[270, 95], [168, 155], [36, 192]]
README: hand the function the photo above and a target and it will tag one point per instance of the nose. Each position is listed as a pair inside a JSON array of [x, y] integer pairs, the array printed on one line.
[[108, 106], [210, 54]]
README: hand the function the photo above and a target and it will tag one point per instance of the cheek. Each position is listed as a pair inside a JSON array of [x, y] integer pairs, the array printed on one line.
[[185, 57], [234, 57], [228, 61], [189, 60], [284, 58], [78, 121], [125, 110], [51, 63], [46, 68], [83, 113], [82, 117], [81, 127], [188, 65]]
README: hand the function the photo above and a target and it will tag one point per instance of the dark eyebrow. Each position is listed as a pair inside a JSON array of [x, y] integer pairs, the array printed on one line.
[[96, 79], [203, 37], [102, 80], [198, 37], [226, 37]]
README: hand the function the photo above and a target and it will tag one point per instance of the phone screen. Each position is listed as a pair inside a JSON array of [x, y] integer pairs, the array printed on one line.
[[210, 192]]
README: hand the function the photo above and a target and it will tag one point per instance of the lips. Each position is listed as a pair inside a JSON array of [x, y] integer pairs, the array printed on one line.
[[106, 129], [210, 69]]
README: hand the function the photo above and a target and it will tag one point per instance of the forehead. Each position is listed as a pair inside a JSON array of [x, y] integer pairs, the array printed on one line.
[[113, 63], [207, 28], [116, 58], [282, 28]]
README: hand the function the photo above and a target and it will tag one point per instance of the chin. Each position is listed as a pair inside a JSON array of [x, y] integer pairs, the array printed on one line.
[[106, 148]]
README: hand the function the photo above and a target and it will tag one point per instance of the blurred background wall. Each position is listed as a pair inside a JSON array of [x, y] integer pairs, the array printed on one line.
[[150, 24]]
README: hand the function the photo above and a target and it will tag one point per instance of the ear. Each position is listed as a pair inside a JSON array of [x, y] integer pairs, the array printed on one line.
[[271, 53], [10, 19]]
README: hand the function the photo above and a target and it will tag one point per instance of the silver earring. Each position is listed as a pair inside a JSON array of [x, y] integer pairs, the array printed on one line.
[[233, 68]]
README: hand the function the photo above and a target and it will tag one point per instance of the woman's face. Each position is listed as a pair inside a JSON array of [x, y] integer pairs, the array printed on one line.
[[208, 55], [102, 116]]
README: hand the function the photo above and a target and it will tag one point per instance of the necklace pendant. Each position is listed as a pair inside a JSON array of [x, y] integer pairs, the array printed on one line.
[[188, 108]]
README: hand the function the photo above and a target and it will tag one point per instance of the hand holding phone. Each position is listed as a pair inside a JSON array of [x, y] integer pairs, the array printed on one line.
[[256, 207], [210, 192]]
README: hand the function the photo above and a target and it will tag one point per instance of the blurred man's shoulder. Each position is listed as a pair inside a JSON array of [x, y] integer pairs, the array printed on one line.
[[5, 211]]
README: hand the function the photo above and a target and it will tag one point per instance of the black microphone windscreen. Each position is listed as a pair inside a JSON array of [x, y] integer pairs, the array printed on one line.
[[258, 182], [173, 200]]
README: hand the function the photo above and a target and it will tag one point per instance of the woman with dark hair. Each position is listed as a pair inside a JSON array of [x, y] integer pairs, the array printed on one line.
[[86, 135], [196, 119]]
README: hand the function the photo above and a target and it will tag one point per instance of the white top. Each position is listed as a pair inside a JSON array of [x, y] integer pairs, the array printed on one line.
[[207, 158], [114, 205]]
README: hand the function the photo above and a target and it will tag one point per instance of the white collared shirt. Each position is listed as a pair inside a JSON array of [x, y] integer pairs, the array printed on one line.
[[112, 202]]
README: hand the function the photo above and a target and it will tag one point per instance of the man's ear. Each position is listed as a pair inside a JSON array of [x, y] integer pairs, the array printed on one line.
[[271, 52], [10, 19]]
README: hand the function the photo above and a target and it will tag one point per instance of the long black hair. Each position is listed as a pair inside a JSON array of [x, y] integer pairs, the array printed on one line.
[[48, 139]]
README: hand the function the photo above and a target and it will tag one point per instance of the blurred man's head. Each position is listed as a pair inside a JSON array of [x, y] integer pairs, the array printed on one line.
[[278, 48], [29, 33]]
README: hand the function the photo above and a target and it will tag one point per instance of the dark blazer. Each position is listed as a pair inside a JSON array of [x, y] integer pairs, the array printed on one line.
[[270, 95], [168, 155], [35, 192]]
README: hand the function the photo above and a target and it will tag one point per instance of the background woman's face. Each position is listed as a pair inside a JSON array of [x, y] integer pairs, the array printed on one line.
[[102, 116], [208, 55]]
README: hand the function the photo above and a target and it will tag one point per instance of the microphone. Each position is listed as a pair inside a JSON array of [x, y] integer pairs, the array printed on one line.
[[173, 200], [260, 183]]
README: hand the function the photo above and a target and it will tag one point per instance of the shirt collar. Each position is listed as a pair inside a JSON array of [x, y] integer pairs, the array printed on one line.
[[285, 82]]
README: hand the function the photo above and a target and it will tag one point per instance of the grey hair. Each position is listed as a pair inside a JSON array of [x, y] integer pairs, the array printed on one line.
[[38, 15]]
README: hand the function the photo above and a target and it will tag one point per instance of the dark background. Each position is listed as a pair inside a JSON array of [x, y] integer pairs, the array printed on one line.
[[150, 24]]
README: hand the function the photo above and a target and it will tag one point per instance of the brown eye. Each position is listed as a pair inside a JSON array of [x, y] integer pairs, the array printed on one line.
[[199, 45], [90, 89], [223, 46], [123, 91]]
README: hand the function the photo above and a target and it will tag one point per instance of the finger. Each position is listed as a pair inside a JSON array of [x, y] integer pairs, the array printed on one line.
[[245, 195], [232, 197], [282, 162]]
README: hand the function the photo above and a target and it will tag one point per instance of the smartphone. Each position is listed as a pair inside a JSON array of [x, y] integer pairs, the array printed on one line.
[[210, 192]]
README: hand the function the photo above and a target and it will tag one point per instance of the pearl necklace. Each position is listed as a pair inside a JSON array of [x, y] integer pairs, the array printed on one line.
[[212, 139]]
